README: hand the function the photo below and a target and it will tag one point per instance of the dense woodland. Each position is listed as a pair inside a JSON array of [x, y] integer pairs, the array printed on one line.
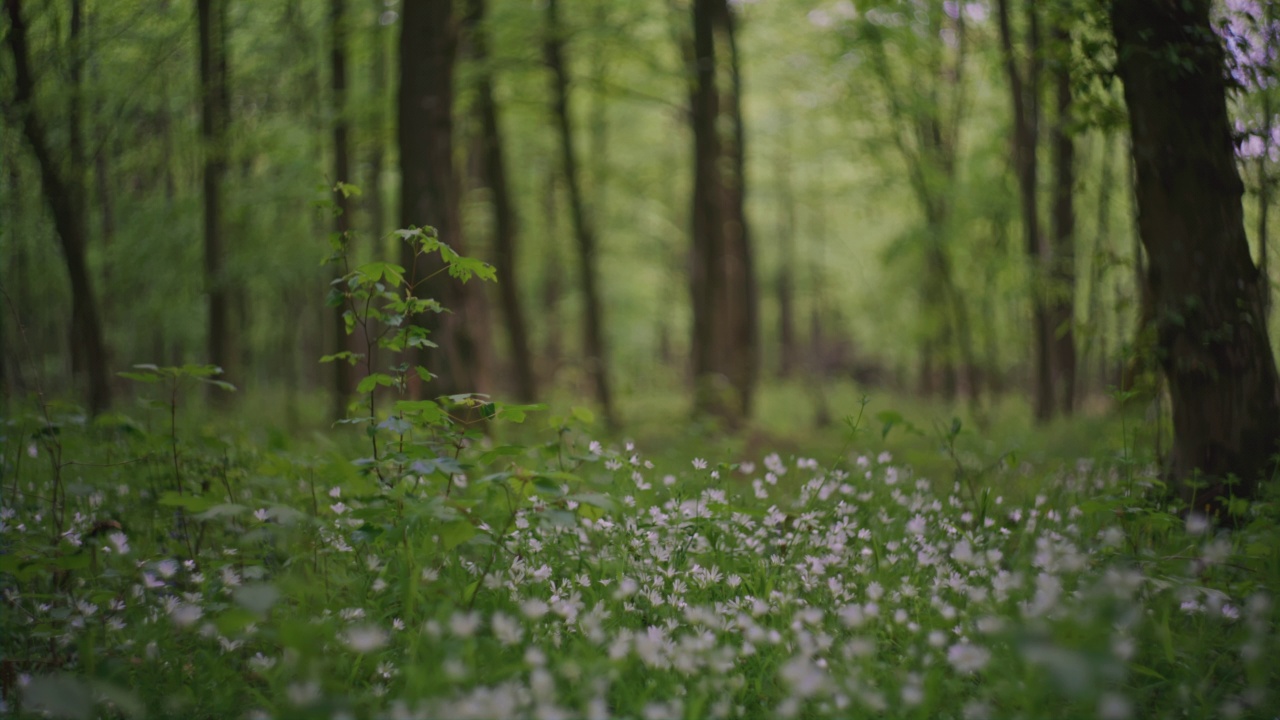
[[340, 213], [883, 218]]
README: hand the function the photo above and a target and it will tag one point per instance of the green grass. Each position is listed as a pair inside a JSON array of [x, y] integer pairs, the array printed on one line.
[[787, 570]]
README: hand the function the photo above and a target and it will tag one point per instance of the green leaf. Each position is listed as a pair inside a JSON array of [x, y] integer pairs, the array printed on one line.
[[547, 486], [374, 380], [584, 415], [222, 510], [502, 451], [427, 411], [347, 355], [140, 377], [222, 384], [455, 533], [190, 503], [383, 270], [595, 500]]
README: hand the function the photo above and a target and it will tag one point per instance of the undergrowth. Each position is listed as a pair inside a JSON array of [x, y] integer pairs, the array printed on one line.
[[155, 569]]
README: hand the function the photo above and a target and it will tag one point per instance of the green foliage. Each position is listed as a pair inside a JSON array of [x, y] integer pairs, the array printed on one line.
[[515, 579]]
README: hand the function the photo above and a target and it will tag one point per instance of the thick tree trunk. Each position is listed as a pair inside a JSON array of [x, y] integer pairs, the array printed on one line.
[[1264, 192], [1024, 90], [66, 201], [430, 195], [214, 105], [584, 232], [1208, 305], [506, 229], [722, 282], [1062, 258]]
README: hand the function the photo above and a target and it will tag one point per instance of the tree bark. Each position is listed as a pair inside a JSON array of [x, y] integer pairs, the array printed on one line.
[[430, 195], [1062, 259], [65, 194], [506, 227], [1024, 90], [584, 232], [1208, 304], [722, 282], [214, 106], [1265, 191]]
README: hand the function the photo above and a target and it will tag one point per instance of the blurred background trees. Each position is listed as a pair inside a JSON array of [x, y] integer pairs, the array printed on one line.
[[695, 197]]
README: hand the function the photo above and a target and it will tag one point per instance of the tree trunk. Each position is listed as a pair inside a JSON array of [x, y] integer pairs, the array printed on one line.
[[1096, 340], [593, 327], [552, 293], [377, 87], [430, 195], [722, 282], [1264, 189], [1062, 259], [1208, 305], [214, 105], [506, 232], [1024, 89], [342, 375], [65, 194]]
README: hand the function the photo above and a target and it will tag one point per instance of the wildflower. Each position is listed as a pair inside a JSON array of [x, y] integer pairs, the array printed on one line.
[[364, 639], [185, 614], [968, 658], [464, 624], [1114, 706], [302, 694], [338, 508], [699, 464], [230, 577], [534, 608], [506, 629], [120, 543], [262, 514]]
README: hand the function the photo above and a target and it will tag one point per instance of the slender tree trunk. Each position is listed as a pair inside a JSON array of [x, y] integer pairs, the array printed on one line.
[[65, 195], [342, 376], [506, 229], [552, 278], [430, 195], [211, 20], [593, 327], [75, 147], [1024, 89], [1062, 259], [786, 267], [724, 295], [378, 88], [1097, 336], [1207, 296]]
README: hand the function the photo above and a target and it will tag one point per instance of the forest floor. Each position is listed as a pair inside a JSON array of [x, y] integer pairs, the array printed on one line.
[[896, 562]]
